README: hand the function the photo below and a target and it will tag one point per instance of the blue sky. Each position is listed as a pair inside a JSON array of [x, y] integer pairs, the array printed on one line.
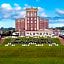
[[13, 9]]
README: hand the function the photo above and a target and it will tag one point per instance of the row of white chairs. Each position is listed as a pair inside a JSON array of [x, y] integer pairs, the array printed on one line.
[[9, 44], [49, 44], [53, 44], [39, 45], [25, 45], [32, 43]]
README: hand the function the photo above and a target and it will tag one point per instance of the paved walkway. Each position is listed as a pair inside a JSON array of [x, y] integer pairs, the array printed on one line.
[[61, 40]]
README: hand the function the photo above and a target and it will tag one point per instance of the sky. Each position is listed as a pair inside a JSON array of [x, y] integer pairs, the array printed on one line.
[[14, 9]]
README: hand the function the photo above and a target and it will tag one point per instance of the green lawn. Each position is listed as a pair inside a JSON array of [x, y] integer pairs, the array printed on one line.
[[31, 54], [49, 60]]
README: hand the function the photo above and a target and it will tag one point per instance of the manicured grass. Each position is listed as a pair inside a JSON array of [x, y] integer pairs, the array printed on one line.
[[56, 40], [14, 60], [32, 51], [31, 54], [7, 40]]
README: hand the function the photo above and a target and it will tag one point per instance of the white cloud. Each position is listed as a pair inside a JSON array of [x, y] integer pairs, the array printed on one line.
[[18, 8], [40, 9], [56, 25], [43, 15], [16, 4], [57, 20], [41, 12], [26, 5], [6, 16], [9, 12], [61, 20], [59, 11], [6, 6], [22, 13]]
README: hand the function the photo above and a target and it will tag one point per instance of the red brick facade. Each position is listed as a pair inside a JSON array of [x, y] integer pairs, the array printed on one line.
[[20, 25], [43, 23], [32, 23]]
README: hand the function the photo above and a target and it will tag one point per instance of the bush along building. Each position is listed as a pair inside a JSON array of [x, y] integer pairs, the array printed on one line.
[[33, 25]]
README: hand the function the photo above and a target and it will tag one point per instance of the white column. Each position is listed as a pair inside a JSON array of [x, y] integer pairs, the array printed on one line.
[[37, 23], [25, 23]]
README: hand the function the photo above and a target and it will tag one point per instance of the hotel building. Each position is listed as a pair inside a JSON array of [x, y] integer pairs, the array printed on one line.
[[33, 25]]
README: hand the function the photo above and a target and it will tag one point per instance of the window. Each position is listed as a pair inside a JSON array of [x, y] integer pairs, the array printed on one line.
[[35, 28], [28, 21], [43, 33], [31, 18], [31, 13], [33, 33], [31, 28], [40, 33], [22, 33], [35, 25], [46, 33], [34, 18], [40, 19], [49, 34], [28, 18], [35, 21], [27, 26], [37, 33], [31, 21], [28, 13], [35, 13], [27, 33], [30, 33], [56, 34], [31, 25]]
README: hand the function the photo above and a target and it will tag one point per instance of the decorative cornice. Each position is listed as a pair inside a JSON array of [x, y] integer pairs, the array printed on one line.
[[31, 9]]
